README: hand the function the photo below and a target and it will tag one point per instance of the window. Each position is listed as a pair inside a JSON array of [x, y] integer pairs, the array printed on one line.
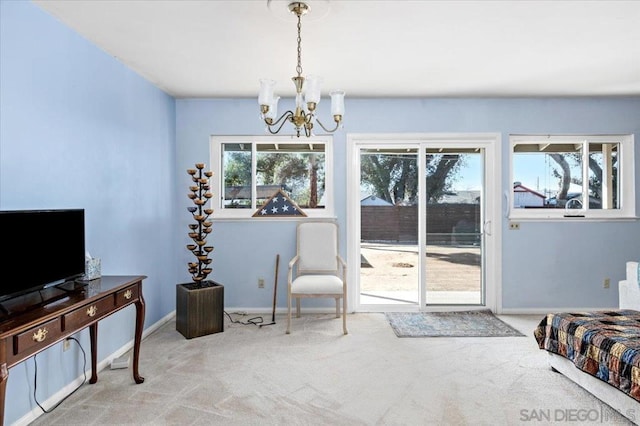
[[572, 176], [248, 171]]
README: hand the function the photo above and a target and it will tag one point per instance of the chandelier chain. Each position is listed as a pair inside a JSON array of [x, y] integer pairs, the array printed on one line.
[[299, 66], [303, 117]]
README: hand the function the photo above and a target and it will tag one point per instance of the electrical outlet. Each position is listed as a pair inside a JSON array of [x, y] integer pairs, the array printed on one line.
[[260, 282], [607, 282], [514, 226], [66, 344]]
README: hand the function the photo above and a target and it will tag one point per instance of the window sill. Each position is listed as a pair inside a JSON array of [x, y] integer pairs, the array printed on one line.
[[270, 218]]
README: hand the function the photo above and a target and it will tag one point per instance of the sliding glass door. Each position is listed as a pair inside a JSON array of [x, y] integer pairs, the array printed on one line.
[[422, 224], [454, 224], [389, 251]]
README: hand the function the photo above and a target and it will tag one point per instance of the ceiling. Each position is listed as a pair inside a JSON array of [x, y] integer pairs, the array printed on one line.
[[375, 48]]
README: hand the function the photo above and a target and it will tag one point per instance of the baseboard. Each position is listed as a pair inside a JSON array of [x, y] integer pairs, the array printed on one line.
[[283, 311], [105, 363], [332, 309], [50, 402]]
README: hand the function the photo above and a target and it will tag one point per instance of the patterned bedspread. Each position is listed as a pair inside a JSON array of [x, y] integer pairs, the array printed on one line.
[[605, 344]]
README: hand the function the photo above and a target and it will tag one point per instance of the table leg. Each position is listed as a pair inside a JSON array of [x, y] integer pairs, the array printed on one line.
[[138, 339], [93, 336], [4, 376]]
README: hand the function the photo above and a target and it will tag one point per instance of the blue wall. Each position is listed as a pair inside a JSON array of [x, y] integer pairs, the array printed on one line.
[[78, 129], [545, 264]]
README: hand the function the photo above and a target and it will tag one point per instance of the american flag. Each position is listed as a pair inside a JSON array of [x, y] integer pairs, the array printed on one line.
[[279, 205]]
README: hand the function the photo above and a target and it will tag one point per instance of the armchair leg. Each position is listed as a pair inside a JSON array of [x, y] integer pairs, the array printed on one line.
[[337, 307], [289, 314], [344, 315], [297, 307]]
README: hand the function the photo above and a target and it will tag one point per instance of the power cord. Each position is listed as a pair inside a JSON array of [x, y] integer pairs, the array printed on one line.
[[250, 321], [35, 378]]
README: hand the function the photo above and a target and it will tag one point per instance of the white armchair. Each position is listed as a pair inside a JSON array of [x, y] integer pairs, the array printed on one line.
[[629, 288], [317, 270]]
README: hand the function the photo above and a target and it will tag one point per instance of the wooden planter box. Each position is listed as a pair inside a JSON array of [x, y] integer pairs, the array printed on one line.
[[199, 311]]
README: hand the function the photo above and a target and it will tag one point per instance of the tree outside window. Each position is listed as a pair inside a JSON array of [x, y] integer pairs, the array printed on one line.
[[577, 176], [252, 171]]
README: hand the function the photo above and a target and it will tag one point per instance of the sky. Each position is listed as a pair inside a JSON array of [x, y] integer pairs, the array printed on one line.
[[532, 170]]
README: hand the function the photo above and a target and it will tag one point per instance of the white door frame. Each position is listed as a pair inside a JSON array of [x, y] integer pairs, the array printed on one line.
[[491, 227]]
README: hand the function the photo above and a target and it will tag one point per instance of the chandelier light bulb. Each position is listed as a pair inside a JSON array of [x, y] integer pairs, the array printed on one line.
[[312, 89], [273, 109], [266, 91], [337, 103]]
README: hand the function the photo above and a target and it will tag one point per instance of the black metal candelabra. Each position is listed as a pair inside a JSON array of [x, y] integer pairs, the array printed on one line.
[[200, 195]]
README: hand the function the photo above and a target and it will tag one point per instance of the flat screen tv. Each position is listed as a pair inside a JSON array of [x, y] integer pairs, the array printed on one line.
[[41, 248]]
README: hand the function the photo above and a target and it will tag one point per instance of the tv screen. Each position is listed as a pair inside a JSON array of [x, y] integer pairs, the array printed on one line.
[[40, 248]]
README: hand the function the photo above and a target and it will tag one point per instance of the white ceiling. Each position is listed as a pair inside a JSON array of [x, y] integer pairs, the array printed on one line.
[[374, 48]]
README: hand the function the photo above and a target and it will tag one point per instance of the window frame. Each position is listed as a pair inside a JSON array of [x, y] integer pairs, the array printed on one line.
[[626, 182], [217, 180]]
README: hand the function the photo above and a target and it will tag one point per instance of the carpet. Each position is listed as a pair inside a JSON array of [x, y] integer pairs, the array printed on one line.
[[449, 324]]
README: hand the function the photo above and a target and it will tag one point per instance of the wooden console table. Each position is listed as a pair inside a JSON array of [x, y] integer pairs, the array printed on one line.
[[34, 330]]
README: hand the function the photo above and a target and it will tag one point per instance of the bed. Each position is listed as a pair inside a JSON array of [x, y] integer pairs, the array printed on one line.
[[600, 350]]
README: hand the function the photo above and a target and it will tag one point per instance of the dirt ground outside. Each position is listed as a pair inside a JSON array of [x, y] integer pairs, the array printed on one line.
[[393, 267]]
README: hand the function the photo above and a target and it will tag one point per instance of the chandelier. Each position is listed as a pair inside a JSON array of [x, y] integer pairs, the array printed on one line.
[[307, 95]]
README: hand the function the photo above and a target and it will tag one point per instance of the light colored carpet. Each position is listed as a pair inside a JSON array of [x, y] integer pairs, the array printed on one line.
[[317, 376]]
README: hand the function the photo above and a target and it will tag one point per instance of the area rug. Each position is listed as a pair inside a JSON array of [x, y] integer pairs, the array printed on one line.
[[449, 324]]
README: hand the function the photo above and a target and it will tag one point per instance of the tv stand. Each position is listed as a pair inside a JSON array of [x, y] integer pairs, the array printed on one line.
[[25, 302], [73, 286], [35, 329]]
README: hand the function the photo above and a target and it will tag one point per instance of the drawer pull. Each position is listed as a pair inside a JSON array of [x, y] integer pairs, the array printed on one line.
[[40, 335], [92, 310], [128, 294]]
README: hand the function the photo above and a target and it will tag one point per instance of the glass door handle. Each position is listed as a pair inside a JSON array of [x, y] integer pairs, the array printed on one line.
[[486, 228], [507, 206]]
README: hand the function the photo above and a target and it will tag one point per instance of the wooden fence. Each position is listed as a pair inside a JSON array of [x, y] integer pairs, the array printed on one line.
[[446, 223]]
